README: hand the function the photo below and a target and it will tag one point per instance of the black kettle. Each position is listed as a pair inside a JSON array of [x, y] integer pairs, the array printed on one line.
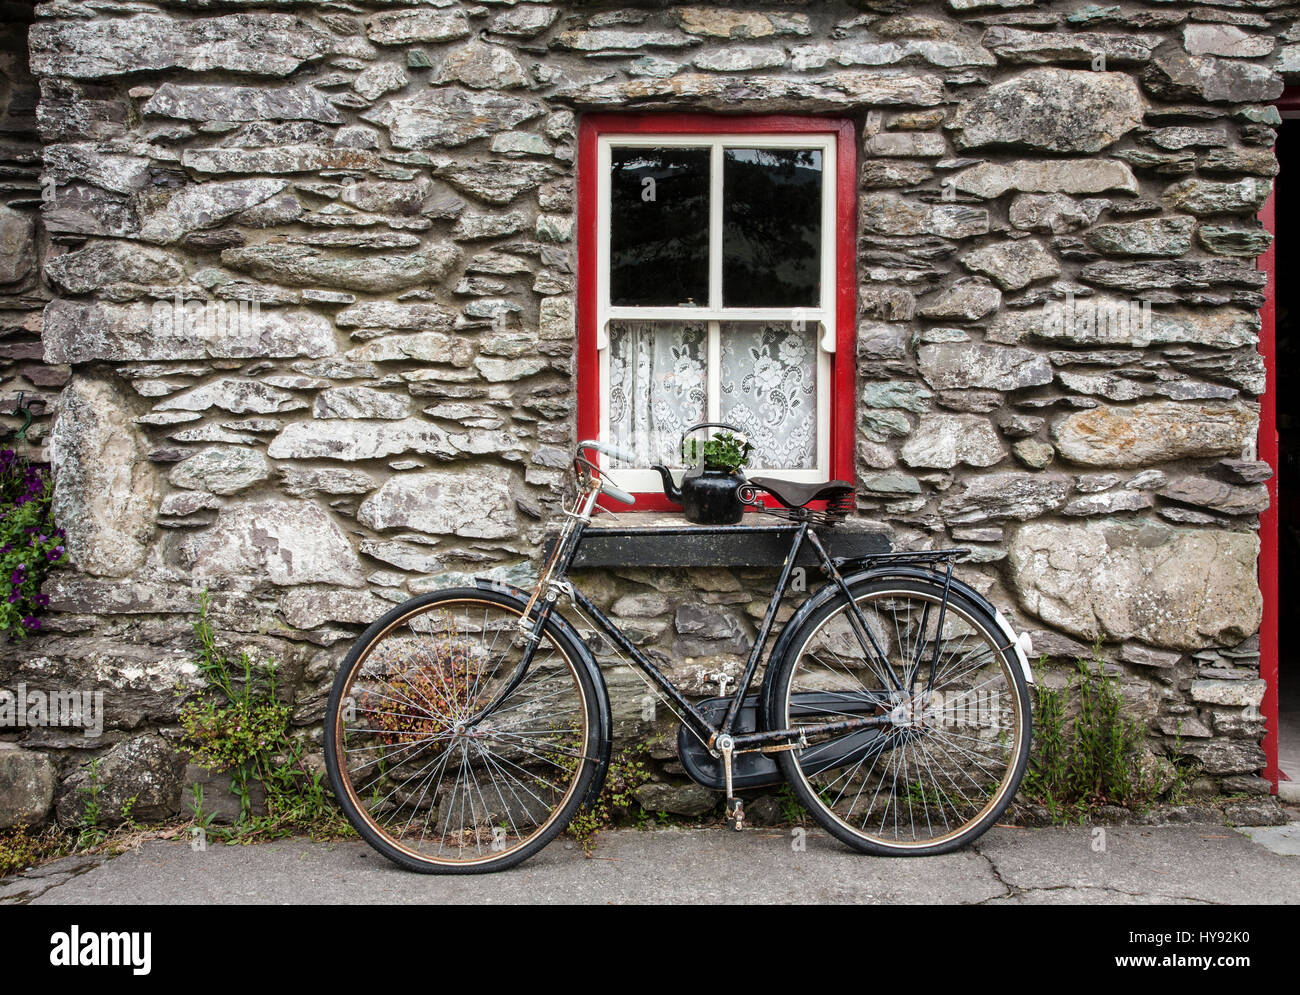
[[707, 496]]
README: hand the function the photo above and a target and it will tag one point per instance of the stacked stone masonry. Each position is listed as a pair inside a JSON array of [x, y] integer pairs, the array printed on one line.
[[391, 185]]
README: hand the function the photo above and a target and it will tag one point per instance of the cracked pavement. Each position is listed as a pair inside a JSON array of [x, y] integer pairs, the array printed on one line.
[[1185, 864]]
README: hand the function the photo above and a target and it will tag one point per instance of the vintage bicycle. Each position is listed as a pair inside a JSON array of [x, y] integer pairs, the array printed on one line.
[[467, 726]]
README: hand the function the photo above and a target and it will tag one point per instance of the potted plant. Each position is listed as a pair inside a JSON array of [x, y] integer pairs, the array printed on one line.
[[708, 490]]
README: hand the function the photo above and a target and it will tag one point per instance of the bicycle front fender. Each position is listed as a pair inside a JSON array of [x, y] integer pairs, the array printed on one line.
[[604, 720]]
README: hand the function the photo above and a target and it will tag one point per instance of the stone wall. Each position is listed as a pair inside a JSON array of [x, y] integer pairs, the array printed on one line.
[[391, 186]]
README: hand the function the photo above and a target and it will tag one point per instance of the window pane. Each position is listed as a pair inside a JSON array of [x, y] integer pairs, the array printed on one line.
[[772, 228], [656, 386], [769, 389], [659, 227]]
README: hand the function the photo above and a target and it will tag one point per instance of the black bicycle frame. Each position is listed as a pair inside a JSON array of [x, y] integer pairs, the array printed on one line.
[[555, 581]]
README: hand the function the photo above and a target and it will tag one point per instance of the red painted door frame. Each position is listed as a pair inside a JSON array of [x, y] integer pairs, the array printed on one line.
[[843, 363], [1269, 558]]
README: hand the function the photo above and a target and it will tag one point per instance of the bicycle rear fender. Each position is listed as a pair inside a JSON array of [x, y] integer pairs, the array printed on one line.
[[604, 720], [1021, 644]]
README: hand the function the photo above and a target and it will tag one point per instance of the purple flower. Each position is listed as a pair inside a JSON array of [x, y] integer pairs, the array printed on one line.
[[32, 622]]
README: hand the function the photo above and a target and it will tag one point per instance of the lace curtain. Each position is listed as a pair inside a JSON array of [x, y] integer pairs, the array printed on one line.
[[769, 388], [767, 384], [657, 386]]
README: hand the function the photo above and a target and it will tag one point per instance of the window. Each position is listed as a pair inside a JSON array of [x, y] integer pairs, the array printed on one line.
[[716, 283]]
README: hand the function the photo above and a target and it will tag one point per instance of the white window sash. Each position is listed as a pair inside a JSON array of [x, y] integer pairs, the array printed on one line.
[[822, 315]]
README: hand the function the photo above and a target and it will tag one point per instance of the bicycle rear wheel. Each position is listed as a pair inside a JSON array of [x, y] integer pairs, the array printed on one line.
[[442, 756], [949, 758]]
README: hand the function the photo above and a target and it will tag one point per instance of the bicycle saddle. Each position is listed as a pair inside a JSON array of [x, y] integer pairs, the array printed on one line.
[[796, 495]]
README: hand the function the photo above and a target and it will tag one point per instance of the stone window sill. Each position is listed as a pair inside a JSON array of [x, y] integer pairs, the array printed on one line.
[[666, 539]]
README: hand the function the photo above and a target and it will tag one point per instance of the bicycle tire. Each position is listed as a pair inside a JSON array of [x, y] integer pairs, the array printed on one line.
[[594, 733], [782, 702]]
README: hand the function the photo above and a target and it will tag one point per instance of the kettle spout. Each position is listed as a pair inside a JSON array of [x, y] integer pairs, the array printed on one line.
[[671, 491]]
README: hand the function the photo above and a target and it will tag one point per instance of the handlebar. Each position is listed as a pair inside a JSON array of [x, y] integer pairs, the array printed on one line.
[[606, 487]]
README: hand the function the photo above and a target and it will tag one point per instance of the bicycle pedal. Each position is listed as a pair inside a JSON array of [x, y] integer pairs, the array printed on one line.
[[736, 813]]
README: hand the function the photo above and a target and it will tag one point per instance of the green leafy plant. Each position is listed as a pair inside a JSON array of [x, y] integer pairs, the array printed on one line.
[[92, 834], [30, 543], [723, 451], [21, 849], [616, 804], [241, 726], [1081, 764]]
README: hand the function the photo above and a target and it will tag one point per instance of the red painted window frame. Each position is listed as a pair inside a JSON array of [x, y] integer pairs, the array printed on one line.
[[1267, 449], [843, 364]]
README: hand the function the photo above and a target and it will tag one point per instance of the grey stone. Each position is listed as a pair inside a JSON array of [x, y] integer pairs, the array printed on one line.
[[524, 22], [943, 441], [26, 787], [303, 266], [890, 214], [241, 103], [403, 27], [475, 504], [308, 481], [240, 396], [1108, 503], [1177, 75], [1171, 236], [17, 250], [1057, 110], [1228, 499], [967, 299], [307, 608], [1171, 588], [1224, 240], [691, 800], [1176, 273], [1013, 264], [1220, 756], [282, 542], [1225, 39], [1038, 47], [961, 365], [372, 84], [480, 66], [743, 58], [206, 205], [346, 440], [220, 470], [850, 88], [993, 179], [77, 332], [1002, 496], [496, 181], [360, 402], [1033, 453], [896, 394], [449, 117], [259, 44], [425, 347], [713, 22], [948, 53], [1241, 694], [1201, 197], [105, 488], [1155, 432], [104, 264], [147, 772], [390, 314], [1054, 213], [1104, 320]]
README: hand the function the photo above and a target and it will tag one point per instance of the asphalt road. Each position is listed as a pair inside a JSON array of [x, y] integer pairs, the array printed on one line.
[[1124, 865]]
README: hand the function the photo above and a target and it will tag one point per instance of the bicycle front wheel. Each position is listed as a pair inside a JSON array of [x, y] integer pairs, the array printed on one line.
[[443, 753], [953, 739]]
